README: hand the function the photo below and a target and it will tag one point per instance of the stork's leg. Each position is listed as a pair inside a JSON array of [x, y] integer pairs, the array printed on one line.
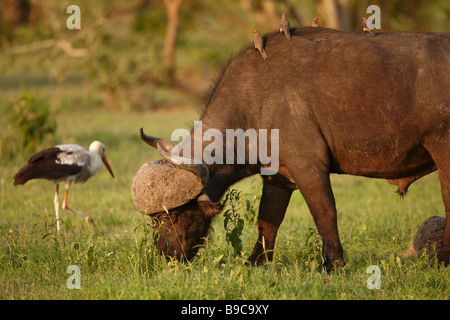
[[56, 202], [66, 207]]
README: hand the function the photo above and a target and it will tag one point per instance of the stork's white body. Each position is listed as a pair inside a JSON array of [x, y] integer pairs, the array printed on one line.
[[74, 155], [65, 163]]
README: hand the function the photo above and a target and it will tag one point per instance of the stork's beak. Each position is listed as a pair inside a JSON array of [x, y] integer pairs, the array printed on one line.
[[107, 165]]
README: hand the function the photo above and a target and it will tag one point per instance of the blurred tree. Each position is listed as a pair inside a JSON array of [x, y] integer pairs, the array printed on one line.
[[334, 13], [14, 13], [17, 11], [173, 11], [153, 53], [299, 16]]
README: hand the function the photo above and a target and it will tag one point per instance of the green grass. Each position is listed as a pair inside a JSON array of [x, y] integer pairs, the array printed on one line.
[[118, 260], [116, 257]]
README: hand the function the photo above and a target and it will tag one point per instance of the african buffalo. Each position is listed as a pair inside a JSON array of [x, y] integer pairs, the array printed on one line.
[[346, 103]]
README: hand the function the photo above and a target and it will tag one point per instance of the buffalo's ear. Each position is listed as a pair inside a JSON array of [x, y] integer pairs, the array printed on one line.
[[210, 208]]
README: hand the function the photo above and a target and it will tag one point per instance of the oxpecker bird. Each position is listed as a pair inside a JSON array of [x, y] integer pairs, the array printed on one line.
[[259, 44], [315, 23], [285, 26], [365, 27], [65, 163]]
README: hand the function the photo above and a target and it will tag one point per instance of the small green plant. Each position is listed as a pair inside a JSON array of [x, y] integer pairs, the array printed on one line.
[[313, 246], [251, 206], [146, 238], [29, 125], [233, 223]]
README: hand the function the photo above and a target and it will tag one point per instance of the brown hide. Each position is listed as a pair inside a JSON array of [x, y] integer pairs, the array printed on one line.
[[347, 103]]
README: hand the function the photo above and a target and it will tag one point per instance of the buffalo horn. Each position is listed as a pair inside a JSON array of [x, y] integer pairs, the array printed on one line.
[[165, 148], [199, 169], [153, 141]]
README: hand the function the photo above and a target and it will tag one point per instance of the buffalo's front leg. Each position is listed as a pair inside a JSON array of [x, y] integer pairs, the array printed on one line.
[[274, 201]]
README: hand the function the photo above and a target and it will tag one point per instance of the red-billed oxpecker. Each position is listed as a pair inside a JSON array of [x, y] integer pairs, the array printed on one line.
[[259, 43], [315, 23], [365, 27], [285, 26], [65, 163]]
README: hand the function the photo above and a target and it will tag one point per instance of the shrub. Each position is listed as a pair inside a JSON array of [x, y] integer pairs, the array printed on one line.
[[29, 125]]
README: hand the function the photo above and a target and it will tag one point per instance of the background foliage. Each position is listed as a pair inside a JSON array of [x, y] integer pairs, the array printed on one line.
[[119, 52]]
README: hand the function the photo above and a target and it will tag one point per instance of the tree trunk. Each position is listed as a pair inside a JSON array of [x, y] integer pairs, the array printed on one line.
[[172, 10], [335, 13], [328, 12]]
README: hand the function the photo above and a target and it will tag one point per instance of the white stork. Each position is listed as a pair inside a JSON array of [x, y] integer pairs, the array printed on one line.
[[65, 163]]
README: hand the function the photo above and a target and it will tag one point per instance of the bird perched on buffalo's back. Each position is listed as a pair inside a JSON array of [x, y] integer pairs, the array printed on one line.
[[315, 23], [365, 26], [259, 44], [285, 26]]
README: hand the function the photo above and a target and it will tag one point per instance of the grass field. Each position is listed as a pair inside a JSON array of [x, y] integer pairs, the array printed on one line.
[[117, 259]]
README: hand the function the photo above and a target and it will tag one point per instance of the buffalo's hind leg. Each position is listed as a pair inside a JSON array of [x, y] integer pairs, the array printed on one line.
[[309, 167], [440, 152], [320, 199], [274, 201]]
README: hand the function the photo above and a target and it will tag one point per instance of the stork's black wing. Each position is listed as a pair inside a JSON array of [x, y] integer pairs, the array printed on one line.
[[44, 165]]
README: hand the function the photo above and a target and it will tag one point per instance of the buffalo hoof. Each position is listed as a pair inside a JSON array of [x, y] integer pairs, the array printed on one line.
[[257, 259], [329, 265], [444, 255]]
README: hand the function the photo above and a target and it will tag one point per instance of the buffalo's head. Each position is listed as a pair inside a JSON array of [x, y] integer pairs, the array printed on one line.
[[172, 192]]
